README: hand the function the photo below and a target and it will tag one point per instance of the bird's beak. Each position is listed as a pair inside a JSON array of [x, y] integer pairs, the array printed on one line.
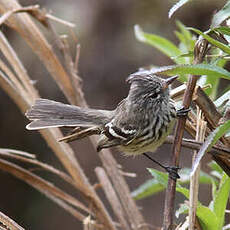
[[169, 81]]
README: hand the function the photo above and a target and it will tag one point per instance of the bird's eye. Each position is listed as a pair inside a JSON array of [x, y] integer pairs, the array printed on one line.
[[153, 95]]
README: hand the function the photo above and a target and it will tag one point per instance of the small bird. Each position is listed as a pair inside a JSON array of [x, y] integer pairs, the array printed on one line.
[[139, 124]]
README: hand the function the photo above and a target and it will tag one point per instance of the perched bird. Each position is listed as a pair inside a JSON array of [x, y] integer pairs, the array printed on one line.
[[139, 124]]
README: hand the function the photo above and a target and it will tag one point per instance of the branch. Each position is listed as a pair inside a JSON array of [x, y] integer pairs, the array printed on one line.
[[200, 51], [195, 145]]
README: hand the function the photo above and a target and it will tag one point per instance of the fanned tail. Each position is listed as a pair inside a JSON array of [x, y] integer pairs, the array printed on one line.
[[46, 114]]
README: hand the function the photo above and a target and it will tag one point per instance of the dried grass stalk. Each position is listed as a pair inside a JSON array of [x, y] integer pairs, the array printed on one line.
[[9, 223], [194, 182]]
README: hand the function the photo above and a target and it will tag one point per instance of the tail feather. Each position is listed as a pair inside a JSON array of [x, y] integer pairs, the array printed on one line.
[[46, 113]]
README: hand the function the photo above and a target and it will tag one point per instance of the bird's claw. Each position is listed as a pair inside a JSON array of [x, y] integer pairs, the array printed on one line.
[[182, 112], [172, 171]]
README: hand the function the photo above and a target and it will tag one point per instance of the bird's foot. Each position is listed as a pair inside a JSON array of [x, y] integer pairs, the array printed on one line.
[[182, 112], [172, 171]]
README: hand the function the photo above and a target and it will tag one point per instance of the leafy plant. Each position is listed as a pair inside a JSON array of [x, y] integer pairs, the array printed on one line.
[[209, 67], [211, 72]]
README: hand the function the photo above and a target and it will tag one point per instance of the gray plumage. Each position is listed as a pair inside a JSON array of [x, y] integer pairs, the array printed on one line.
[[139, 124]]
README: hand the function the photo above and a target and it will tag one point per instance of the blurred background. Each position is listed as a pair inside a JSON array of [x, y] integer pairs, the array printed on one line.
[[109, 53]]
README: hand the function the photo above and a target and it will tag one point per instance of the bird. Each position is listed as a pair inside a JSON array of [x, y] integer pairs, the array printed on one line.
[[139, 124]]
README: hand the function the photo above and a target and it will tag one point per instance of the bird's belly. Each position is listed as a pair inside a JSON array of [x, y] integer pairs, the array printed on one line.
[[136, 147]]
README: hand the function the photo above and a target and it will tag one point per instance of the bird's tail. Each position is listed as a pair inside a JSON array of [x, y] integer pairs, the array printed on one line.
[[46, 114]]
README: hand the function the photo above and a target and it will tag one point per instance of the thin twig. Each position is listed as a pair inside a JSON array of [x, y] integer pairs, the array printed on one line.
[[199, 54], [52, 17], [193, 144]]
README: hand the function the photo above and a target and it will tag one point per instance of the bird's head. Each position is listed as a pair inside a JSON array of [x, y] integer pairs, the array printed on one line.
[[148, 88]]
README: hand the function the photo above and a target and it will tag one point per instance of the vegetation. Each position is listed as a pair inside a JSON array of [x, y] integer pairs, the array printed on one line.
[[200, 59]]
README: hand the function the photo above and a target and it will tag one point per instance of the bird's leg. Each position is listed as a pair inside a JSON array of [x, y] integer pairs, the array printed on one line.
[[172, 170], [182, 112]]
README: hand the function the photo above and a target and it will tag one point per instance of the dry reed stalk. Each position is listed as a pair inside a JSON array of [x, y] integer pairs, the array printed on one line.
[[44, 187], [33, 36], [194, 182], [9, 223]]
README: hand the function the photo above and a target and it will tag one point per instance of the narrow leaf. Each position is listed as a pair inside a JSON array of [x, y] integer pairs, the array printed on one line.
[[221, 199], [149, 188], [187, 34], [160, 43], [215, 167], [176, 7], [210, 141], [182, 190], [221, 15], [207, 218], [214, 42], [223, 30], [153, 186], [199, 69], [161, 177]]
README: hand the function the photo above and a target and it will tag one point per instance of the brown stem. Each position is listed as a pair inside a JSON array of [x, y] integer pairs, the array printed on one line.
[[195, 145], [199, 54]]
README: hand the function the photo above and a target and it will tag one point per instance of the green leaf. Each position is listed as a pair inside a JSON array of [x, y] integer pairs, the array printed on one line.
[[185, 32], [189, 54], [199, 69], [221, 15], [150, 187], [223, 30], [182, 190], [214, 42], [160, 43], [214, 188], [213, 137], [187, 41], [161, 177], [207, 218], [175, 7], [215, 167], [153, 186], [221, 199]]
